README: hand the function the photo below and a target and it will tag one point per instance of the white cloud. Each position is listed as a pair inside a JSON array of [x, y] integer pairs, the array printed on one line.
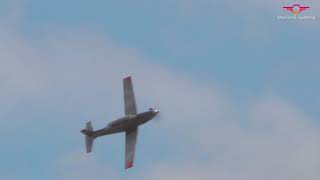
[[81, 167], [77, 72], [278, 141]]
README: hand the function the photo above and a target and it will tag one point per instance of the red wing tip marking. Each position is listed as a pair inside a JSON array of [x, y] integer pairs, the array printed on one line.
[[129, 165], [127, 78]]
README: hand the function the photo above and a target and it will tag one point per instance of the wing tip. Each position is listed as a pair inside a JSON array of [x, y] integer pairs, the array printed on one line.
[[127, 78], [129, 165]]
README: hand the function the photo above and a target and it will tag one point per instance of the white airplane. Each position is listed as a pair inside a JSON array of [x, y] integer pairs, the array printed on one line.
[[128, 124]]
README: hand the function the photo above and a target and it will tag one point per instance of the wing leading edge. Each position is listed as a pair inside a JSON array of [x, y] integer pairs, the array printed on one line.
[[129, 99], [131, 140]]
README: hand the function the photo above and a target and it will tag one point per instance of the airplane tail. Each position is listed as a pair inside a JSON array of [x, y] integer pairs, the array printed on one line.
[[88, 131]]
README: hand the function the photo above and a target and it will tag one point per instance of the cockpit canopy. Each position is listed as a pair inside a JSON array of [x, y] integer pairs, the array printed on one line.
[[121, 121], [117, 122]]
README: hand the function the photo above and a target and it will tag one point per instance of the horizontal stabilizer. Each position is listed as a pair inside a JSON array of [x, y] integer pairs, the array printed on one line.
[[88, 131]]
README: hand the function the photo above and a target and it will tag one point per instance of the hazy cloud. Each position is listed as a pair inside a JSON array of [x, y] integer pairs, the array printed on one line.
[[70, 76]]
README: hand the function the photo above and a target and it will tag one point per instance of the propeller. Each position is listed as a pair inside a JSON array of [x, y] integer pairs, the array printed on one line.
[[158, 117]]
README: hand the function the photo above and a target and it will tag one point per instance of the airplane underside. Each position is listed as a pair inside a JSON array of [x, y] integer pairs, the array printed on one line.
[[128, 124]]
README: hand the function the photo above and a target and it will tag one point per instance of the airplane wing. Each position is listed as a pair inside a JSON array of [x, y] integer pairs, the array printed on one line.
[[129, 99], [131, 140]]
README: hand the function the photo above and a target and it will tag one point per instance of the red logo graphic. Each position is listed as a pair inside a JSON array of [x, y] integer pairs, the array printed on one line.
[[296, 8]]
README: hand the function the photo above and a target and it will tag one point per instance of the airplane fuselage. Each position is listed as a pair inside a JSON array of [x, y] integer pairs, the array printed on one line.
[[126, 123]]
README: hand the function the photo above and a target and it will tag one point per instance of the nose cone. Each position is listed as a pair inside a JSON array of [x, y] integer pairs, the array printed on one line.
[[155, 111]]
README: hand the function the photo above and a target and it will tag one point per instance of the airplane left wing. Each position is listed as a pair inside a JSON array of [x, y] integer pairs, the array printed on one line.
[[129, 99], [131, 140]]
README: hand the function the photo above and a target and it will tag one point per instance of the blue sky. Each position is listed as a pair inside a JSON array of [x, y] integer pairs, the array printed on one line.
[[225, 75], [195, 42]]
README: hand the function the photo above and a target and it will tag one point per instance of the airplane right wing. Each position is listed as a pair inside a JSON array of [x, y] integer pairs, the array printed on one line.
[[131, 140], [129, 99]]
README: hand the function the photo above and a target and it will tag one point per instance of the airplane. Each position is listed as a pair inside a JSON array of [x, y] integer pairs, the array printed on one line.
[[128, 124]]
